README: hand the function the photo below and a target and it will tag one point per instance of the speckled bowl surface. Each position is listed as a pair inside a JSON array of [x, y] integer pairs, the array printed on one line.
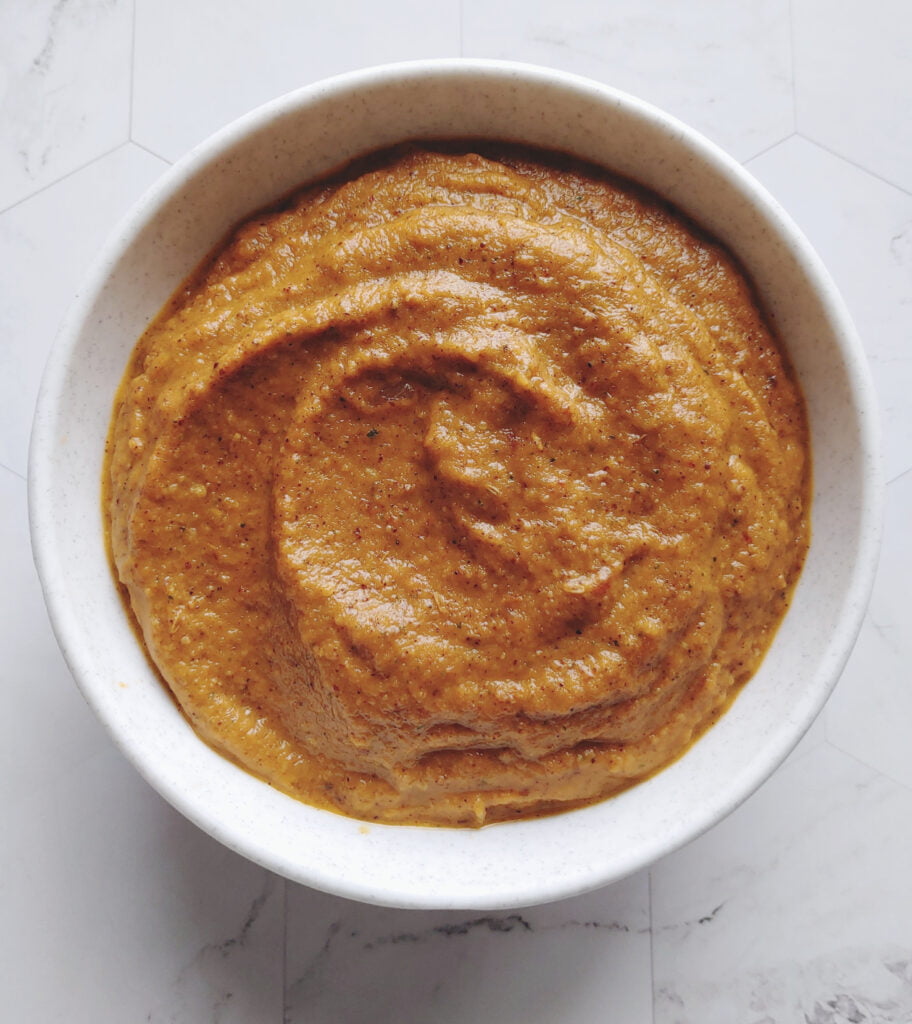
[[257, 159]]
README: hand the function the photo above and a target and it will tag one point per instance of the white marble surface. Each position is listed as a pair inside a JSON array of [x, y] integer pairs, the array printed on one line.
[[115, 909]]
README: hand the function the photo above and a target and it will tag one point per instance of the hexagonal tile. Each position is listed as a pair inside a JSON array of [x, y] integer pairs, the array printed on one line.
[[57, 109], [722, 67], [870, 714], [562, 962], [40, 697], [853, 62], [224, 61], [794, 908], [137, 884], [47, 244], [194, 914], [862, 229]]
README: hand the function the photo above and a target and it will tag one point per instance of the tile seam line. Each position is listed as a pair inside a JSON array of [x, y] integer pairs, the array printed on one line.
[[768, 149], [132, 73], [794, 62], [878, 772], [15, 472], [652, 986], [65, 177], [854, 163], [151, 152], [899, 476], [283, 1006]]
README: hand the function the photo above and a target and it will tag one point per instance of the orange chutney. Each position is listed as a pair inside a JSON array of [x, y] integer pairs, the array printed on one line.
[[469, 484]]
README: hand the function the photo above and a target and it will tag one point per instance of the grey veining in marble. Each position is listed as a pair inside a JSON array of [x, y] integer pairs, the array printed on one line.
[[60, 108], [527, 965]]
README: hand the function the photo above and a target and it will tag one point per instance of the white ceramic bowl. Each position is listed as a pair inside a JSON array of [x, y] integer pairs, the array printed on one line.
[[256, 160]]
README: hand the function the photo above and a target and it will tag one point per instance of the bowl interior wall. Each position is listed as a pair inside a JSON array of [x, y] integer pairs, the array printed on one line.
[[252, 164]]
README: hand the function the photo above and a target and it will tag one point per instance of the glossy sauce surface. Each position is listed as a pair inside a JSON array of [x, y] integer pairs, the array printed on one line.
[[471, 484]]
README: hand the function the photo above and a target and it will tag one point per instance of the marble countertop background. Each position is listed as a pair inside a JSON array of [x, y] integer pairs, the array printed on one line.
[[113, 908]]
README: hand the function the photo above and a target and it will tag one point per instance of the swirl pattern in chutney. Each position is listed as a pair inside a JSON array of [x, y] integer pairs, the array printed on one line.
[[470, 484]]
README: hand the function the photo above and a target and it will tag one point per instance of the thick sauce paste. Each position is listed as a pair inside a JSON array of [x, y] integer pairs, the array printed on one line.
[[471, 484]]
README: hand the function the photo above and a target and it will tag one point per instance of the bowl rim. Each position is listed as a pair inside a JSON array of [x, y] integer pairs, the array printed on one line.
[[65, 622]]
